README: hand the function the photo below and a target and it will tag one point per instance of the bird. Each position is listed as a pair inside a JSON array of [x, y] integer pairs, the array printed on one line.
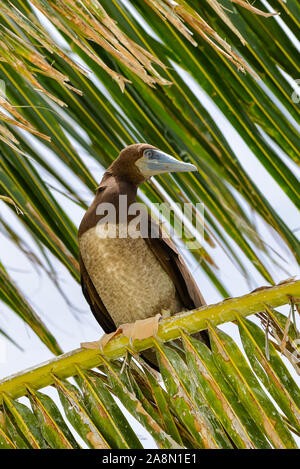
[[129, 279]]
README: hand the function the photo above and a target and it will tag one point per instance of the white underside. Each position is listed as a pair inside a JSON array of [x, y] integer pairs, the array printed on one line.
[[127, 276]]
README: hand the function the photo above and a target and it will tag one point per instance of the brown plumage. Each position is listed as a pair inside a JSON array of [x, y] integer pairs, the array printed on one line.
[[125, 279]]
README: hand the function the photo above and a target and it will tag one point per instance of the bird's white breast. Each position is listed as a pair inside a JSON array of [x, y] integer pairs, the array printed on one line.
[[127, 276]]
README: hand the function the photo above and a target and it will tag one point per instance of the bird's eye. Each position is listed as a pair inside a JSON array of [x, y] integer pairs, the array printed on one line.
[[148, 154]]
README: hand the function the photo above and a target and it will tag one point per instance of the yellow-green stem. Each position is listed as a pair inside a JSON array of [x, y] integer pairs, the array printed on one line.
[[191, 321]]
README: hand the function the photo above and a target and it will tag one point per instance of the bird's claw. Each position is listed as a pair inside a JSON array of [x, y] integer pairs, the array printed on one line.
[[141, 329], [166, 313], [138, 330], [99, 344]]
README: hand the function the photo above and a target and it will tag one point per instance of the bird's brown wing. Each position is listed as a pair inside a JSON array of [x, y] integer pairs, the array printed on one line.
[[167, 254], [97, 307]]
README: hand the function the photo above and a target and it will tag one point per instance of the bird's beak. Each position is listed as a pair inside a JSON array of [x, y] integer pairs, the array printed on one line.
[[156, 162]]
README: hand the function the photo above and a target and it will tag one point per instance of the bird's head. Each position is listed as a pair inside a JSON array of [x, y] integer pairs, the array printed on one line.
[[137, 163]]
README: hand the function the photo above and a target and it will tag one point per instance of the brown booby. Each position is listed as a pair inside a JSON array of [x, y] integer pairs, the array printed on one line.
[[125, 279]]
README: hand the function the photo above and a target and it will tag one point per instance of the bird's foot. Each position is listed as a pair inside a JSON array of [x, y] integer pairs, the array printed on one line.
[[141, 329], [99, 344], [138, 330], [166, 313]]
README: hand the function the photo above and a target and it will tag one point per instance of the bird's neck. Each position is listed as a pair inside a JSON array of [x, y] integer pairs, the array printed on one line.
[[119, 193], [119, 186], [112, 190]]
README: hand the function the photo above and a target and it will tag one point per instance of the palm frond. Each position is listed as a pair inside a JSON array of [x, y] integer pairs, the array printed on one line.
[[210, 398]]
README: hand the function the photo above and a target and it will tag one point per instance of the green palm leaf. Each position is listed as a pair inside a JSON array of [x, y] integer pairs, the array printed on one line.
[[206, 396]]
